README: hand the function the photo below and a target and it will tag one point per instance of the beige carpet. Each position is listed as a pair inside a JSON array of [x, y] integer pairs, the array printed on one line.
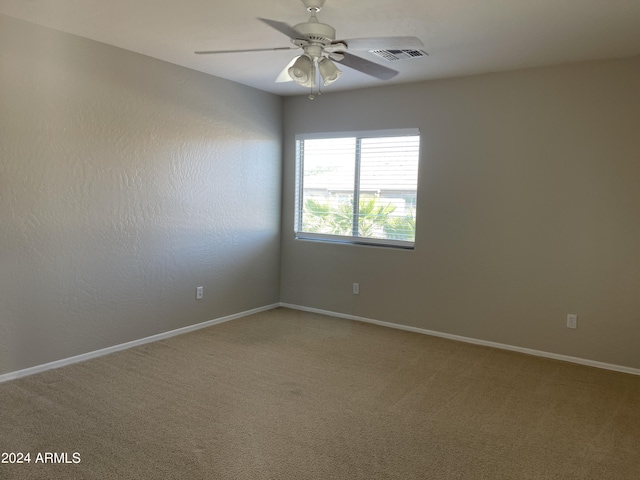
[[292, 395]]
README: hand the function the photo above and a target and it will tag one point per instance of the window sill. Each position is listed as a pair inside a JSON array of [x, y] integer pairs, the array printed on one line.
[[361, 241]]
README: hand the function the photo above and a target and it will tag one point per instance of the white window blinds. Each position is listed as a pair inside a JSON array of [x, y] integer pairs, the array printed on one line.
[[358, 188]]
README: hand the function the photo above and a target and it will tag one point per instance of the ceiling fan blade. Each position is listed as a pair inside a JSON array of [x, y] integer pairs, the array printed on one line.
[[209, 52], [284, 74], [283, 28], [366, 66], [383, 43]]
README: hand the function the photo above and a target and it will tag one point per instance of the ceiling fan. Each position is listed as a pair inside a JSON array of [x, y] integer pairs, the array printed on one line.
[[321, 49]]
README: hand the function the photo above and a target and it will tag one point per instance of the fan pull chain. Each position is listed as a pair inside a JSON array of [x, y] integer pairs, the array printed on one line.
[[313, 76], [316, 76]]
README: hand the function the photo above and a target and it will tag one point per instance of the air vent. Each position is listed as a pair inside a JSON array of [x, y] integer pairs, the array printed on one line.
[[393, 55]]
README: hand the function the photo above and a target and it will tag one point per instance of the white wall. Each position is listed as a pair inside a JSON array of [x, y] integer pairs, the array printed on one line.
[[528, 209], [125, 183]]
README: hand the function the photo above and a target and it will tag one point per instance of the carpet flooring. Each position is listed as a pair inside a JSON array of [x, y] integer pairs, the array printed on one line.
[[285, 394]]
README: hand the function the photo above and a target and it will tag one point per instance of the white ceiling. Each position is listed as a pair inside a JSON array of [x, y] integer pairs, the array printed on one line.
[[462, 37]]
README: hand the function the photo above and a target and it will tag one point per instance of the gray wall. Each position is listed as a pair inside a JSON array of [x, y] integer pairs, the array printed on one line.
[[125, 183], [528, 209]]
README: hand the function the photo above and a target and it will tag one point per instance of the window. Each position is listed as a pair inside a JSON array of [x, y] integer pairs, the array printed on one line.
[[358, 188]]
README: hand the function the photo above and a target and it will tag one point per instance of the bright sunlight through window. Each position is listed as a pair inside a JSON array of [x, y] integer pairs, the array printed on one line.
[[359, 188]]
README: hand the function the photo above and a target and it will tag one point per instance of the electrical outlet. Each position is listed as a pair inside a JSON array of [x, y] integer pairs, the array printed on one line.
[[572, 320], [356, 289], [199, 293]]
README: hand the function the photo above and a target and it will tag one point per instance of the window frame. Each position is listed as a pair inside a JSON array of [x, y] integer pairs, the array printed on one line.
[[299, 188]]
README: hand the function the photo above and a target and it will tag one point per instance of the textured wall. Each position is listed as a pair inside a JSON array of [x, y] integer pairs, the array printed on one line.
[[528, 209], [125, 182]]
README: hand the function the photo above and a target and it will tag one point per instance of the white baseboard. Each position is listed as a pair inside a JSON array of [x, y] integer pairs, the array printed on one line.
[[124, 346], [161, 336], [528, 351]]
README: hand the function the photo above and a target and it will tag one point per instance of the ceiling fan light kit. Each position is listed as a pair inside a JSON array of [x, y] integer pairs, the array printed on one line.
[[328, 71], [318, 42], [302, 72]]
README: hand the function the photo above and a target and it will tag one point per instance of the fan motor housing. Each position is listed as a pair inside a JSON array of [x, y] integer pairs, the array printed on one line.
[[317, 32]]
